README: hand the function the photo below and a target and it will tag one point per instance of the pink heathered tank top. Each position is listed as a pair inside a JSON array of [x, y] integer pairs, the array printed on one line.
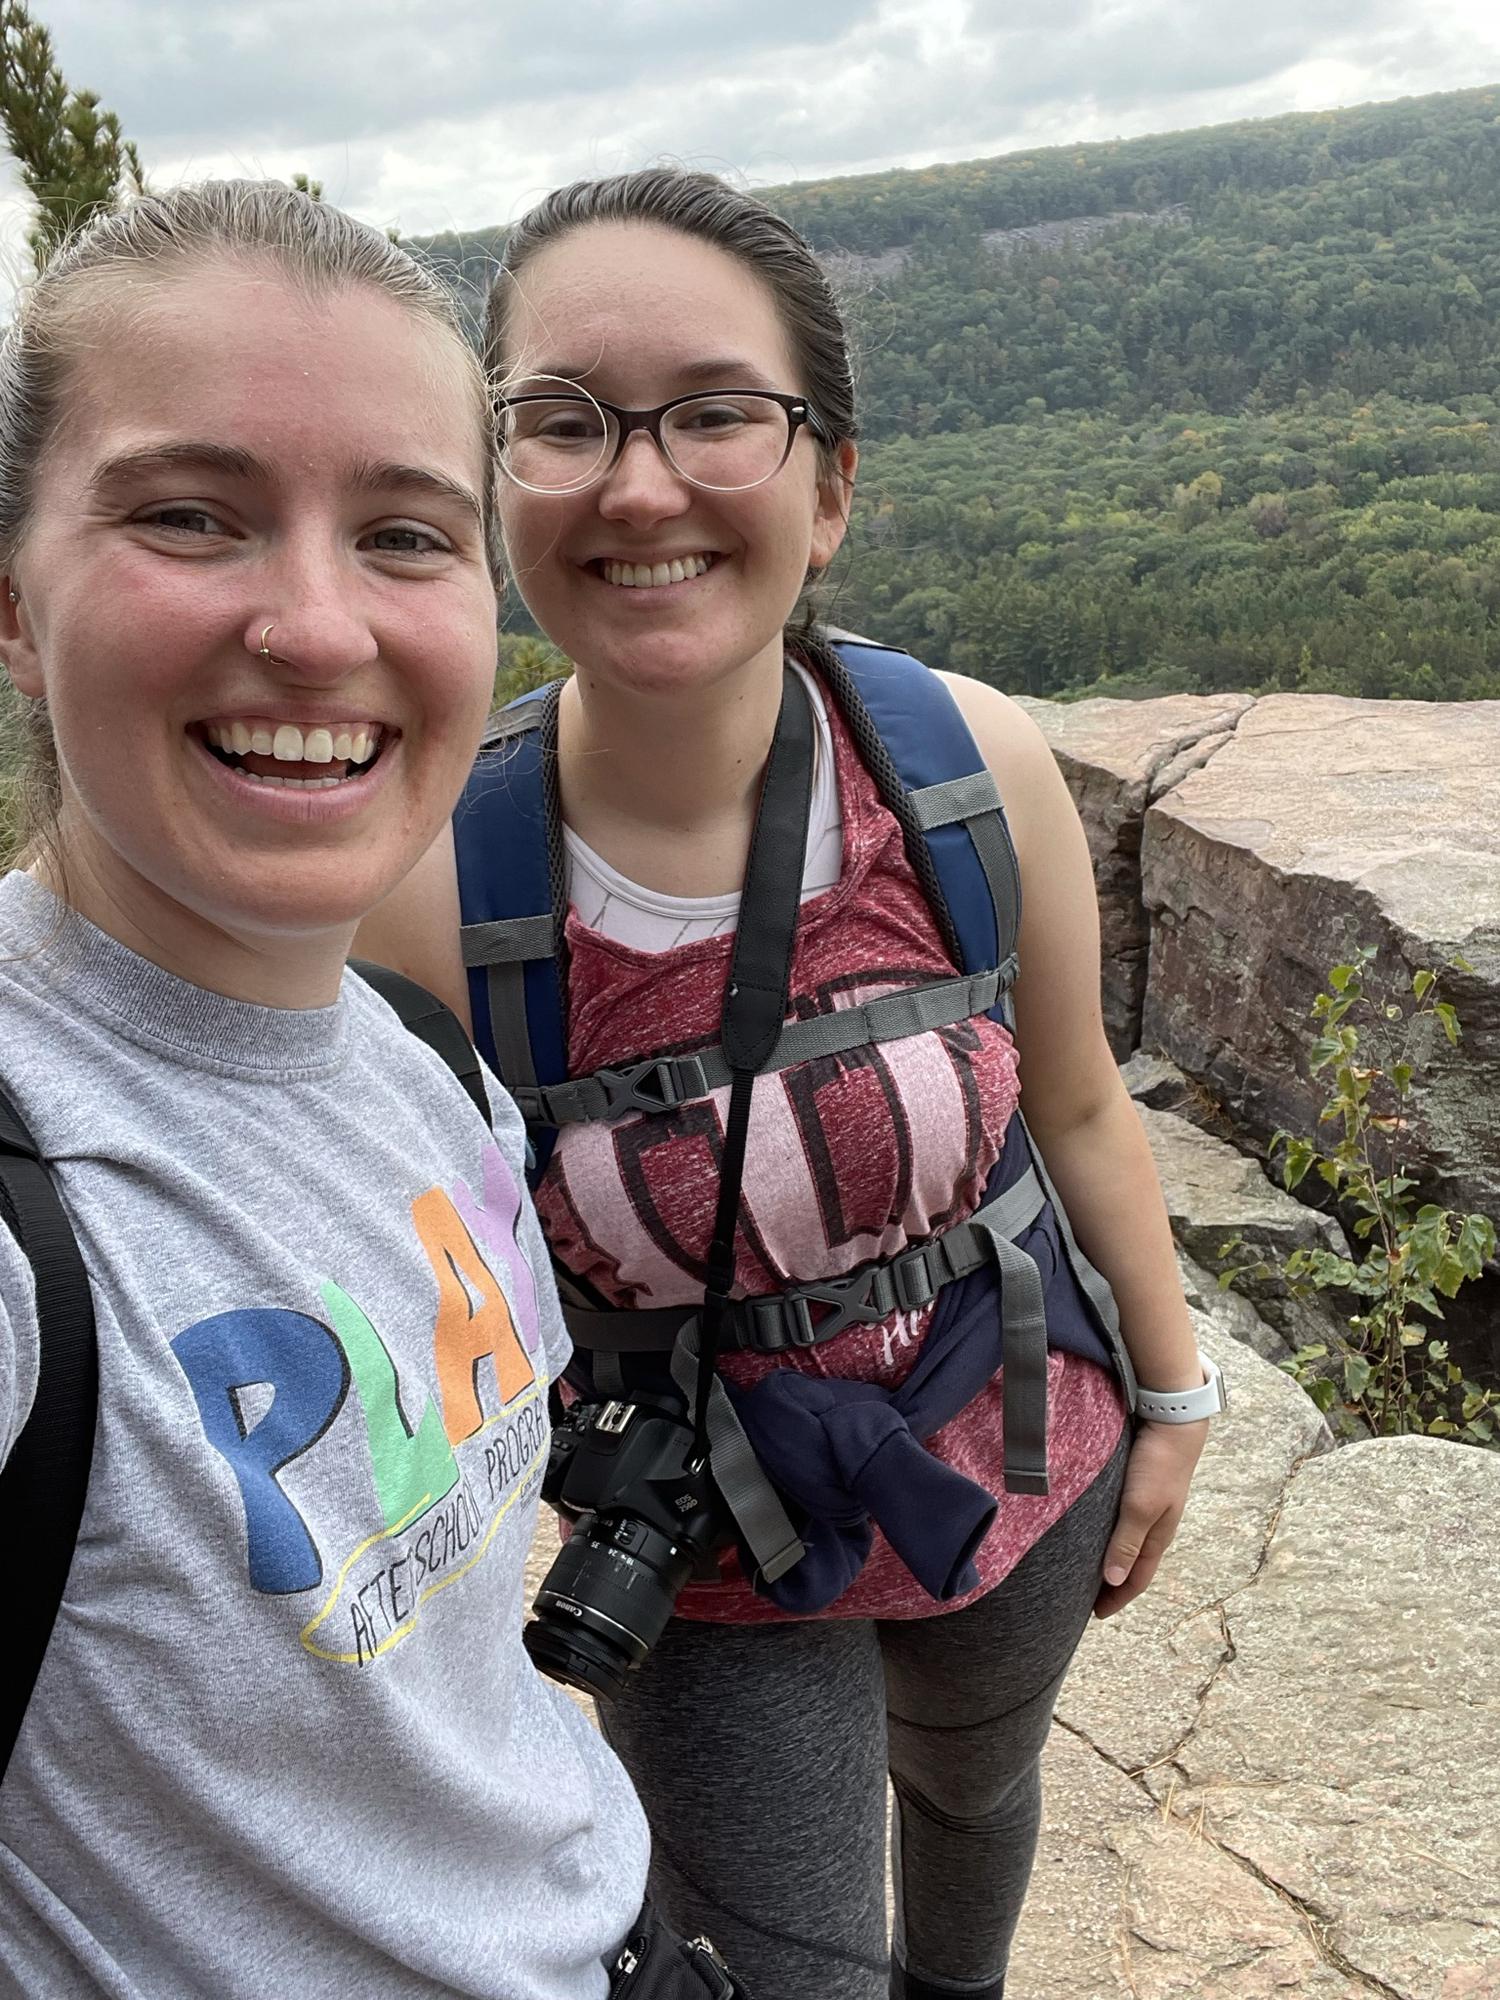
[[850, 1157]]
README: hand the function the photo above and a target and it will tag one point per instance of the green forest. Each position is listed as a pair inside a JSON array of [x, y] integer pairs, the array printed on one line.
[[1238, 428]]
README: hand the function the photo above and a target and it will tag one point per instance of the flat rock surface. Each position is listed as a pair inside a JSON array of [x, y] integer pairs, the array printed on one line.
[[1132, 741], [1397, 797], [1328, 1822], [1139, 1679], [1350, 1750]]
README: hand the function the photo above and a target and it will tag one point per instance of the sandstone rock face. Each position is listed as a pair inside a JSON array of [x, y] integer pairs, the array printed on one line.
[[1322, 813], [1215, 1194], [1348, 1752], [1113, 755]]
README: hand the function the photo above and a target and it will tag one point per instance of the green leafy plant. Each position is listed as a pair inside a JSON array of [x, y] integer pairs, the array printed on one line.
[[1387, 1374]]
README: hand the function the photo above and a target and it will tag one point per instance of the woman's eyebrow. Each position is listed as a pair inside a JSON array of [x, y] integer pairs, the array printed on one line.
[[717, 372], [187, 455], [383, 478], [201, 455]]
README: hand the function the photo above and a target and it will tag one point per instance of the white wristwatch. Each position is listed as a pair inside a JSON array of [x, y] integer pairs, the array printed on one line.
[[1185, 1406]]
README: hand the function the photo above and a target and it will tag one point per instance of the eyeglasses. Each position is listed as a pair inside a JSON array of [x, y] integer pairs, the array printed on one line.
[[726, 440]]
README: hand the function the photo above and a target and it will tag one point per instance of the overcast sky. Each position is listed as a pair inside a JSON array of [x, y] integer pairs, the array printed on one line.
[[458, 116]]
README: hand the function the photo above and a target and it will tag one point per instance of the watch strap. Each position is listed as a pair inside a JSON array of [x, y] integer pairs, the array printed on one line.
[[1185, 1406]]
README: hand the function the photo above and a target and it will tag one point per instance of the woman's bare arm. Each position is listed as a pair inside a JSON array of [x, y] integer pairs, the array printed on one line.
[[1086, 1125], [416, 929]]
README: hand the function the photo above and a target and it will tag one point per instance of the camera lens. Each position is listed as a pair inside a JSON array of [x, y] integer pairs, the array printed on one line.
[[605, 1602]]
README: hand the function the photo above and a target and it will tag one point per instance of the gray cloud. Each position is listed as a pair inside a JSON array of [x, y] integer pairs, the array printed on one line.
[[458, 118], [184, 76]]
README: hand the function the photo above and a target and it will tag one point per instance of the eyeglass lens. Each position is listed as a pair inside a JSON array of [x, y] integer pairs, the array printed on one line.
[[725, 442]]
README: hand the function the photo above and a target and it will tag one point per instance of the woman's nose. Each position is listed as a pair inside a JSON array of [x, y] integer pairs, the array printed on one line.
[[643, 484]]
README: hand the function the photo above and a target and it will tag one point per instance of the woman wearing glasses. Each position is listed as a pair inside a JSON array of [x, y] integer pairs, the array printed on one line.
[[677, 432]]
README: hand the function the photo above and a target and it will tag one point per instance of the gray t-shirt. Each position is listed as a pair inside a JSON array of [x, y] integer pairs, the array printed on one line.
[[285, 1740]]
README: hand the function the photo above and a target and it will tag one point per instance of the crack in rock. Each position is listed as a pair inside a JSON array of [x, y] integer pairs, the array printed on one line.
[[1318, 1924]]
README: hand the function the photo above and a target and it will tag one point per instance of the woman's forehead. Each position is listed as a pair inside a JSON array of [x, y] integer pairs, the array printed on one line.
[[241, 350], [636, 300]]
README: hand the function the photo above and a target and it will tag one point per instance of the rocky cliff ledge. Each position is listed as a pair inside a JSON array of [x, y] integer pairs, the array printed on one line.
[[1279, 1772], [1240, 848]]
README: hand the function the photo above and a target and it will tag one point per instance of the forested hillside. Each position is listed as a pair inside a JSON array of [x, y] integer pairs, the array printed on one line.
[[1245, 435]]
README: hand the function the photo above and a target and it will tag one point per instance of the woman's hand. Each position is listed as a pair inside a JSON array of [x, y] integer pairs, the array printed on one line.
[[1157, 1477]]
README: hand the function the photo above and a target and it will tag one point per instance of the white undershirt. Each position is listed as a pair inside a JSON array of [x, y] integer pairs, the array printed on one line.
[[647, 920]]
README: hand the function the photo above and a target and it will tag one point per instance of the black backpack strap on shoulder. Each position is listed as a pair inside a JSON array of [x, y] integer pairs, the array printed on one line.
[[45, 1481], [426, 1017]]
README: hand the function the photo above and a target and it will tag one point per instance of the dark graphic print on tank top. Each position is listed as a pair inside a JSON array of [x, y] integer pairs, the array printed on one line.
[[850, 1157]]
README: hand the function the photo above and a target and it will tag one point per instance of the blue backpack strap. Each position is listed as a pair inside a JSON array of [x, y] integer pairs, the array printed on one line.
[[920, 751], [507, 837], [928, 768]]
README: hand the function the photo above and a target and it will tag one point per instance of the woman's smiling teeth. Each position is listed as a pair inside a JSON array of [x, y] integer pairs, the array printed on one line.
[[642, 576], [350, 745]]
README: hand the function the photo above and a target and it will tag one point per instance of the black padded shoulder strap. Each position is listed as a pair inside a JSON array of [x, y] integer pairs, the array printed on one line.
[[45, 1480], [426, 1017]]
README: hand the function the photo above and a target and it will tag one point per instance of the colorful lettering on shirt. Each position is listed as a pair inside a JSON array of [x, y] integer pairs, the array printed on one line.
[[474, 1322], [413, 1469], [304, 1367], [270, 1382], [493, 1221]]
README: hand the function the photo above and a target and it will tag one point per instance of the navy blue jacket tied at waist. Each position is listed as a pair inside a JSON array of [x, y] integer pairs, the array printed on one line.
[[850, 1456]]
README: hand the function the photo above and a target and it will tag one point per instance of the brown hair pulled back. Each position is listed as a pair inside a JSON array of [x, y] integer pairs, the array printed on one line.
[[117, 259]]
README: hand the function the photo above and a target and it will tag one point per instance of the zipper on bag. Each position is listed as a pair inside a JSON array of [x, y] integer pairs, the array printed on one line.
[[703, 1948]]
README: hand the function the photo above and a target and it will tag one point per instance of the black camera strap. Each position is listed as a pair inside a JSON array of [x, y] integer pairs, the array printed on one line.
[[754, 1014]]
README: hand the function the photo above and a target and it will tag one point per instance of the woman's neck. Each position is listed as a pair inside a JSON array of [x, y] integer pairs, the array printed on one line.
[[665, 786], [299, 971]]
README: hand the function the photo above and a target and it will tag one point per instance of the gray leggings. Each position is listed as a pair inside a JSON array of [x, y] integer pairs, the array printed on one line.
[[761, 1753]]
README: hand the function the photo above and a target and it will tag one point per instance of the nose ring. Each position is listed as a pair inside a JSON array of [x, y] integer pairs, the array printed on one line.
[[264, 652]]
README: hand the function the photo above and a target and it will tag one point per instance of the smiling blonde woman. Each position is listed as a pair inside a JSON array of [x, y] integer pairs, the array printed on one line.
[[283, 1738]]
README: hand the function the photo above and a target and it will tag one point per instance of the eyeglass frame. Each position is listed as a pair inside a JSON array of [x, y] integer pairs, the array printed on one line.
[[798, 410]]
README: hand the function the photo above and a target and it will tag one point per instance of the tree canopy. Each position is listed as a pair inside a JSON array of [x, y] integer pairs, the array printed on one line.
[[1204, 410]]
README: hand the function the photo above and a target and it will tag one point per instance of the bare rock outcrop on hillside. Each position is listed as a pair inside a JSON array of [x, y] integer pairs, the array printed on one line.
[[854, 268]]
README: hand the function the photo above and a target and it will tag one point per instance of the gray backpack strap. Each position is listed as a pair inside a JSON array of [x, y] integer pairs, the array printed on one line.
[[662, 1083], [504, 947], [749, 1495], [1023, 1379], [974, 802], [1094, 1284]]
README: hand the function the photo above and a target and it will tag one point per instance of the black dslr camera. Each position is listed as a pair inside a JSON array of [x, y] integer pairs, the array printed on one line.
[[647, 1513]]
